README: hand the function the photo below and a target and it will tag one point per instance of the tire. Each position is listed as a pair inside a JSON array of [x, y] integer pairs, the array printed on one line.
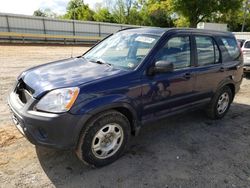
[[105, 132], [216, 110]]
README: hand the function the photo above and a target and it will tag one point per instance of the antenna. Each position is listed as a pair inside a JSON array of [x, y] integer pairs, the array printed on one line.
[[74, 29]]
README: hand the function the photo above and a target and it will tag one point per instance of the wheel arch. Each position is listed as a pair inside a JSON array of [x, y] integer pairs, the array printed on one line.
[[229, 83], [232, 88], [126, 109]]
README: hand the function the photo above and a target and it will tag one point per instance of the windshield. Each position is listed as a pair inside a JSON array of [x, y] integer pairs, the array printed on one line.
[[123, 50]]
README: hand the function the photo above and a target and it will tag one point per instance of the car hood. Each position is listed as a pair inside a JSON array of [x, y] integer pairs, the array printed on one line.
[[66, 73]]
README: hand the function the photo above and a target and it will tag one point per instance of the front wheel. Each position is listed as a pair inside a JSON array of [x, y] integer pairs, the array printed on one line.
[[220, 103], [104, 139]]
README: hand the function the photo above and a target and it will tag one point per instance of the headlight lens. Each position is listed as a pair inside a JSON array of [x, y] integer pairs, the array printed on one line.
[[59, 100]]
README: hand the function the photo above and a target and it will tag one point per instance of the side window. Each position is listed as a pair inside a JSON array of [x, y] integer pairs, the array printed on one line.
[[176, 51], [207, 51], [232, 49], [247, 44]]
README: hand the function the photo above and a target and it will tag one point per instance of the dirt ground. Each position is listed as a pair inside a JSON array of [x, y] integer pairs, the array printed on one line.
[[187, 150]]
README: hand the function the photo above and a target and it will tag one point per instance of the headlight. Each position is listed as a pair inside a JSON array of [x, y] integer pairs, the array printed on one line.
[[59, 100]]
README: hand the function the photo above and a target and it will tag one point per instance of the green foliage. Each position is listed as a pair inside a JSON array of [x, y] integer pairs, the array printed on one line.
[[119, 12], [122, 11], [161, 13], [103, 15], [39, 12], [156, 13], [45, 13], [135, 17], [196, 11], [77, 10], [181, 22], [234, 18]]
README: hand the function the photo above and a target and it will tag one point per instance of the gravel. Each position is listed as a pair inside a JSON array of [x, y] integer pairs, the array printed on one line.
[[187, 150]]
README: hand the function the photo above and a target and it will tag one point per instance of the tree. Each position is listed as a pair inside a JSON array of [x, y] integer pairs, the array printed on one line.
[[128, 7], [45, 13], [181, 22], [156, 13], [135, 16], [103, 15], [122, 11], [196, 11], [119, 12], [234, 18], [77, 10], [39, 12]]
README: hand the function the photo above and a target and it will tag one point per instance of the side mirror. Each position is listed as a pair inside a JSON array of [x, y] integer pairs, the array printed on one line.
[[161, 67]]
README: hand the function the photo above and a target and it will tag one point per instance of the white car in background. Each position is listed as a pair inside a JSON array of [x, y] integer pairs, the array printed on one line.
[[246, 55]]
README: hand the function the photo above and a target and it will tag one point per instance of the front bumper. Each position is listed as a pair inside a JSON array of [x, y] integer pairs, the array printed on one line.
[[60, 131]]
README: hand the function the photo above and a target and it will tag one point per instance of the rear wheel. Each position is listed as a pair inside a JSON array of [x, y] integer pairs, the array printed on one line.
[[104, 139], [220, 103]]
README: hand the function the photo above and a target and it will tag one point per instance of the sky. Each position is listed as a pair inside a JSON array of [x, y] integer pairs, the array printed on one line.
[[27, 7]]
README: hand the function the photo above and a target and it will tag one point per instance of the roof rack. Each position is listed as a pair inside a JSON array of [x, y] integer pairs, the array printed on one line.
[[127, 28]]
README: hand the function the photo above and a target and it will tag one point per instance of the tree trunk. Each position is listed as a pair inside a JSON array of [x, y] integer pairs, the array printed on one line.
[[193, 20], [193, 24]]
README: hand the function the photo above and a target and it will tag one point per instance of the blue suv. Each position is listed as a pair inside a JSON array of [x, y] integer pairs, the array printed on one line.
[[94, 103]]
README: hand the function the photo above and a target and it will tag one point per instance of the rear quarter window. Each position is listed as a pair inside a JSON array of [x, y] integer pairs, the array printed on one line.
[[232, 50]]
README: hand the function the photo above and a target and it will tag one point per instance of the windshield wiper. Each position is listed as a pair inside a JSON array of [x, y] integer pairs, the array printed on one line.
[[100, 61]]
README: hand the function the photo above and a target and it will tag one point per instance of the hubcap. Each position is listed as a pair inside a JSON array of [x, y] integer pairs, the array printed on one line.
[[107, 141], [223, 103]]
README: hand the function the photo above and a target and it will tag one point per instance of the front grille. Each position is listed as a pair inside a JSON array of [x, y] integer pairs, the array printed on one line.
[[23, 91]]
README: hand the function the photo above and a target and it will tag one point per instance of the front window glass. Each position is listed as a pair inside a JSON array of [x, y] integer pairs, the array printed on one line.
[[176, 51], [123, 50]]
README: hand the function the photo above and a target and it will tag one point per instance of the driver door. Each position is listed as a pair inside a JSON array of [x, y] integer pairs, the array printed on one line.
[[165, 93]]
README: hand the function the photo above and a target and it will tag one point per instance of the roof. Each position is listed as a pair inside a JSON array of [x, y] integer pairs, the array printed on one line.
[[160, 31], [147, 30]]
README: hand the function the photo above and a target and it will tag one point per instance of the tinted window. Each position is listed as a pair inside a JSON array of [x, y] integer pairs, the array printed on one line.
[[247, 44], [176, 51], [207, 51], [232, 49]]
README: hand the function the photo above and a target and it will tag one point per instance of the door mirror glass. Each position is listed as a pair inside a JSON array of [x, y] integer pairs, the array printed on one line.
[[163, 67]]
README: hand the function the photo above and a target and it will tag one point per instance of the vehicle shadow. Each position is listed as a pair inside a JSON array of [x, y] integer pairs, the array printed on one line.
[[187, 150]]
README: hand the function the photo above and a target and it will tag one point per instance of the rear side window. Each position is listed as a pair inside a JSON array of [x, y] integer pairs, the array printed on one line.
[[207, 51], [232, 49], [247, 44]]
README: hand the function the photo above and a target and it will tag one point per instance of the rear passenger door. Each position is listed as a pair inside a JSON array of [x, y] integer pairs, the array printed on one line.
[[209, 70]]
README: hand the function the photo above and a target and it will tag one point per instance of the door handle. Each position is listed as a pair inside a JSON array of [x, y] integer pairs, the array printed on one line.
[[187, 75]]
